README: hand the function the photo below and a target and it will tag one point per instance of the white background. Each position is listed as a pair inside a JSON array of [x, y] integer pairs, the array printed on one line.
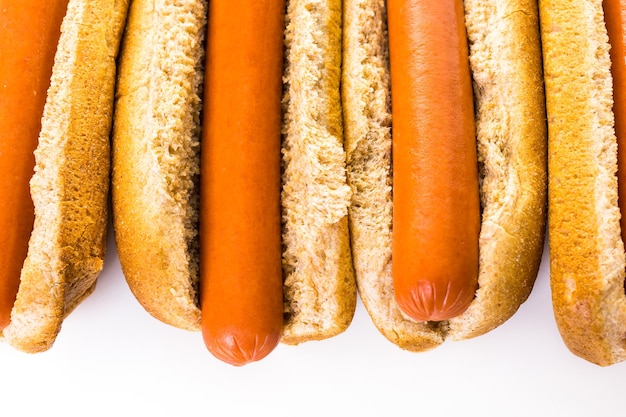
[[112, 358]]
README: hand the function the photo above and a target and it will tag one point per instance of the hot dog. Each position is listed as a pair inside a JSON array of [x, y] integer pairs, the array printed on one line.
[[436, 214], [510, 140], [57, 74], [584, 106], [242, 301], [264, 255]]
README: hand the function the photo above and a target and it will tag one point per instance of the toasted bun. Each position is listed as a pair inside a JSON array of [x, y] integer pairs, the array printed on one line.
[[156, 166], [156, 156], [505, 60], [587, 260], [71, 181]]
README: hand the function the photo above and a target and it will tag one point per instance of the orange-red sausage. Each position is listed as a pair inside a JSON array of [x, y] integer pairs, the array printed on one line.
[[240, 242], [436, 210], [29, 33], [615, 16]]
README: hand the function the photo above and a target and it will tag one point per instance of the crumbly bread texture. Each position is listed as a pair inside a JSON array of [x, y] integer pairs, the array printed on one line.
[[70, 185], [156, 151], [586, 251], [505, 62], [319, 285]]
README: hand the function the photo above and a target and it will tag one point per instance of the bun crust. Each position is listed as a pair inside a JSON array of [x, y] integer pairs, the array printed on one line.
[[587, 260], [505, 62], [70, 185]]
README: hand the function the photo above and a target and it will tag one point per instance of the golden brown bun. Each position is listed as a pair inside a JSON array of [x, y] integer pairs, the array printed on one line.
[[156, 166], [71, 181], [156, 155], [505, 61], [586, 250]]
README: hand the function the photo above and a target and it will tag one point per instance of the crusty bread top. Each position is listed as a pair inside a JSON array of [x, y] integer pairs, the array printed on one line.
[[586, 251], [319, 286], [71, 181], [506, 65], [156, 156]]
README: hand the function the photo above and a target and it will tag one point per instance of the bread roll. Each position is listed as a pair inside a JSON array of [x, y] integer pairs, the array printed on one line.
[[587, 260]]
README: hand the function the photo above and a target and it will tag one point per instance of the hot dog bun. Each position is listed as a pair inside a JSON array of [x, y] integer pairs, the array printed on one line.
[[156, 167], [505, 62], [71, 181], [587, 260], [156, 157], [319, 286]]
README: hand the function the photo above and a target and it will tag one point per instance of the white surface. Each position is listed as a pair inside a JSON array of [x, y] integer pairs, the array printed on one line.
[[112, 358]]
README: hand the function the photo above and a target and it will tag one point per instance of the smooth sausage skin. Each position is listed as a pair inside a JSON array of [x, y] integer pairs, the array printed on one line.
[[29, 33], [240, 240], [615, 16], [436, 210]]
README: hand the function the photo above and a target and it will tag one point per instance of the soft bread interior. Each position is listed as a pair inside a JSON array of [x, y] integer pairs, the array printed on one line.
[[319, 286], [505, 62], [587, 260], [156, 153], [71, 181]]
